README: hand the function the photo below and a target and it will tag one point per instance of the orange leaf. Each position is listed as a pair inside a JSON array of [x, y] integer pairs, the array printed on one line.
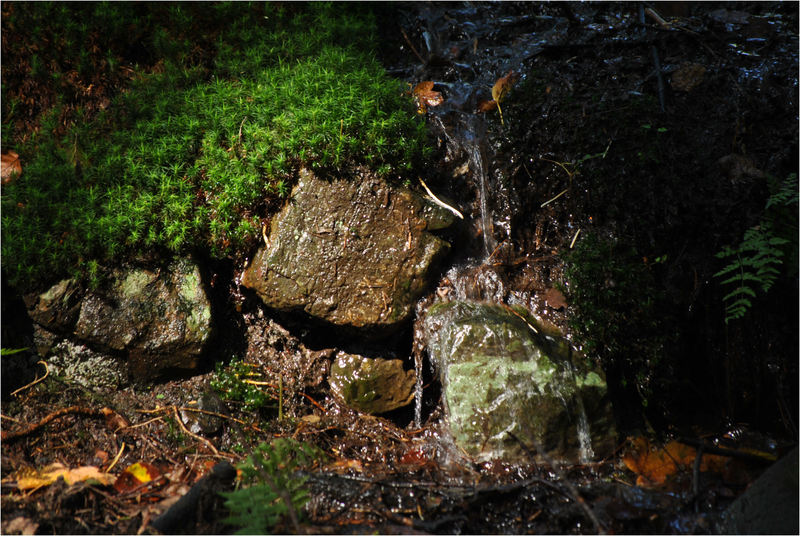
[[11, 167], [422, 87]]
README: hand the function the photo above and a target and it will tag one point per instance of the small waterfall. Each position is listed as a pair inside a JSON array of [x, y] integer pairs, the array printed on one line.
[[585, 452], [479, 175], [418, 390]]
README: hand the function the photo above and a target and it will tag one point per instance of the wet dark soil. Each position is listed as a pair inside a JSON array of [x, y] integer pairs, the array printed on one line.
[[657, 181]]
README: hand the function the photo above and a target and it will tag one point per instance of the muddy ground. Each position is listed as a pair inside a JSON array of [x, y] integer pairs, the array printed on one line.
[[590, 87]]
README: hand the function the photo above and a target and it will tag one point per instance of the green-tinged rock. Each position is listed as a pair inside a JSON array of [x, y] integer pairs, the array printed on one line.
[[502, 380], [371, 385], [160, 318], [354, 253]]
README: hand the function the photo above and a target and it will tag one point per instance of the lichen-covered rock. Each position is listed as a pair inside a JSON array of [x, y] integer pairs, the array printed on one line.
[[371, 385], [161, 318], [504, 383], [353, 253], [83, 366]]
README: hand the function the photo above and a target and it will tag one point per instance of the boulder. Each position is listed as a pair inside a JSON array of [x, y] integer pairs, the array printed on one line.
[[371, 385], [354, 253], [158, 318], [509, 390]]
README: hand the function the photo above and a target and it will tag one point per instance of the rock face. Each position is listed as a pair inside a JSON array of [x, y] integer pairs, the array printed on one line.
[[351, 253], [160, 318], [499, 379], [371, 385]]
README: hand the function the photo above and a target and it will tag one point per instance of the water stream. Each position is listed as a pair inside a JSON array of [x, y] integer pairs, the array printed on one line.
[[489, 197]]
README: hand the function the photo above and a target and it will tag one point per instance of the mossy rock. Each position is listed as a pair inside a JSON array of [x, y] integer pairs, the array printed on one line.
[[507, 388]]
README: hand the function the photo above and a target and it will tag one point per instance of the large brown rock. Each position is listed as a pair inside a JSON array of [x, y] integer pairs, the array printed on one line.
[[354, 253]]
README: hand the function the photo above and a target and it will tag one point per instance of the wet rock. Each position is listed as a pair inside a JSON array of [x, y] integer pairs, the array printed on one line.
[[56, 309], [354, 253], [769, 506], [204, 423], [500, 378], [371, 385], [159, 318]]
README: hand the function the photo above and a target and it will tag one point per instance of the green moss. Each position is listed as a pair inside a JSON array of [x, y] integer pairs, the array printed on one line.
[[191, 157]]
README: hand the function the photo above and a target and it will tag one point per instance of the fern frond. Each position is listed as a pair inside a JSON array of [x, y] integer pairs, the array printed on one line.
[[278, 489]]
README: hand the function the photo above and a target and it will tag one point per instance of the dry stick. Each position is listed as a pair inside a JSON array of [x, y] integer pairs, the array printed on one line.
[[183, 427], [267, 384], [116, 458], [6, 436], [439, 201], [414, 50], [576, 496], [34, 382]]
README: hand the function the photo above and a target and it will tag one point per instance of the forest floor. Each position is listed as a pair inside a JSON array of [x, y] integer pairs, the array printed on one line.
[[736, 96]]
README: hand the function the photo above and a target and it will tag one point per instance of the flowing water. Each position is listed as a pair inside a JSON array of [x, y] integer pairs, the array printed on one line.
[[489, 197]]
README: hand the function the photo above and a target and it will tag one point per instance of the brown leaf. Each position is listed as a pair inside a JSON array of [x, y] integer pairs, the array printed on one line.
[[486, 106], [503, 85], [11, 167], [555, 298]]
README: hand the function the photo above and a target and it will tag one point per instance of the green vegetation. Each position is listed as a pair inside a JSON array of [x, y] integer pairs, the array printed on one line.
[[240, 382], [276, 490], [614, 299], [193, 155], [756, 260]]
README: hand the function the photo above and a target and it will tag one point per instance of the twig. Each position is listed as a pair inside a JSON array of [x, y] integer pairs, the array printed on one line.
[[439, 201], [200, 438], [34, 382], [7, 436], [553, 199], [116, 458], [414, 50], [574, 238]]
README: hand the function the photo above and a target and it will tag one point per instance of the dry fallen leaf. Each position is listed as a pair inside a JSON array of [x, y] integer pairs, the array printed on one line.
[[11, 167], [426, 96], [501, 88], [32, 478], [135, 475], [20, 525], [554, 298], [653, 465]]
